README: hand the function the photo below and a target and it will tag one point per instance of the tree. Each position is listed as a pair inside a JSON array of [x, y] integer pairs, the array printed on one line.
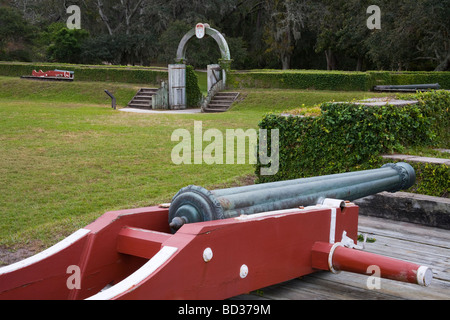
[[415, 35], [393, 47], [170, 39], [350, 38], [283, 30], [66, 45], [434, 43], [261, 33], [121, 17], [16, 35]]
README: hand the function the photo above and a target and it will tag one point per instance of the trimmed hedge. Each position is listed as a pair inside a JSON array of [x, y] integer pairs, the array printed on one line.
[[88, 72], [291, 79], [193, 93], [432, 179], [332, 80], [436, 106], [319, 80], [349, 137]]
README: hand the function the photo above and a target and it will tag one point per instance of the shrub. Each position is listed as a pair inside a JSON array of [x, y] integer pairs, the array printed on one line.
[[349, 137], [436, 105], [432, 179], [193, 93]]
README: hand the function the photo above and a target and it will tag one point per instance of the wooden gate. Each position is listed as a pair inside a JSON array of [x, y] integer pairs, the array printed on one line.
[[177, 86]]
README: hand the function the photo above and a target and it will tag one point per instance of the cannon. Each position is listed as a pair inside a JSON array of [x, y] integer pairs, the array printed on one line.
[[408, 87], [196, 204], [216, 244]]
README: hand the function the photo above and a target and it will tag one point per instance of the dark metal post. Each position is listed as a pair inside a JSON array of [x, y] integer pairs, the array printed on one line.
[[113, 102]]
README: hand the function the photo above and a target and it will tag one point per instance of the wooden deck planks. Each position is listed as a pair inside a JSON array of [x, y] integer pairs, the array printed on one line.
[[406, 241]]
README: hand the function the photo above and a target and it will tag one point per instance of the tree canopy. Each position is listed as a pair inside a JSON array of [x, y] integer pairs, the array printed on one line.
[[308, 34]]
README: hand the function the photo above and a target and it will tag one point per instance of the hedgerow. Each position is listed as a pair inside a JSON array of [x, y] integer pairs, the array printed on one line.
[[333, 80], [193, 93], [89, 73]]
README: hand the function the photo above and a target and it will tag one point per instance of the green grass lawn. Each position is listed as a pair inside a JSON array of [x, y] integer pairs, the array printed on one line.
[[67, 157]]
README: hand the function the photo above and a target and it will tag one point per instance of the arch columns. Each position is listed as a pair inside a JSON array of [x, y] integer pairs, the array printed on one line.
[[225, 62]]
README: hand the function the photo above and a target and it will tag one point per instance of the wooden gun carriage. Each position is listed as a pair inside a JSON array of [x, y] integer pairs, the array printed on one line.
[[216, 244]]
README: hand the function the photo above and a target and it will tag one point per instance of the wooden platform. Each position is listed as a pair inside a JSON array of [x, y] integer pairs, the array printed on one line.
[[422, 245]]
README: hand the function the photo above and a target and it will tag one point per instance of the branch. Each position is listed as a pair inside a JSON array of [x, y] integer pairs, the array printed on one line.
[[133, 12], [104, 17]]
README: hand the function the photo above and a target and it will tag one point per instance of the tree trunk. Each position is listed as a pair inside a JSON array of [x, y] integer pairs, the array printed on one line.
[[444, 65], [359, 64], [104, 17], [285, 62], [331, 59]]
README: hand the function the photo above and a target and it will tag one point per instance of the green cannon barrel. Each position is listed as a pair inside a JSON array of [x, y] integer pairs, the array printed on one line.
[[408, 87], [196, 204]]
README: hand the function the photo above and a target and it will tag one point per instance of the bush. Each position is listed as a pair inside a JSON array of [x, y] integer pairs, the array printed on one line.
[[436, 105], [66, 45], [16, 35], [349, 137], [432, 179], [193, 93]]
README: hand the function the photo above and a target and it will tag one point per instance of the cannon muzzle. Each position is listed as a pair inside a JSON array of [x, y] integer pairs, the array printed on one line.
[[196, 204]]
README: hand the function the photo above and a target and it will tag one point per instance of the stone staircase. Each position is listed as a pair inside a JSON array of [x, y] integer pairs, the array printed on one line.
[[221, 102], [143, 99]]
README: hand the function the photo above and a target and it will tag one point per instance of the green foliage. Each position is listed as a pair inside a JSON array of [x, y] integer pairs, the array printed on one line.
[[432, 179], [16, 35], [436, 105], [262, 34], [66, 45], [348, 137], [170, 39], [299, 79], [193, 93], [119, 49]]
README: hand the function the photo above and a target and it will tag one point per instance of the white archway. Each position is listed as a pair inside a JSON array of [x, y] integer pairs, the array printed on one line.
[[216, 35], [177, 74]]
